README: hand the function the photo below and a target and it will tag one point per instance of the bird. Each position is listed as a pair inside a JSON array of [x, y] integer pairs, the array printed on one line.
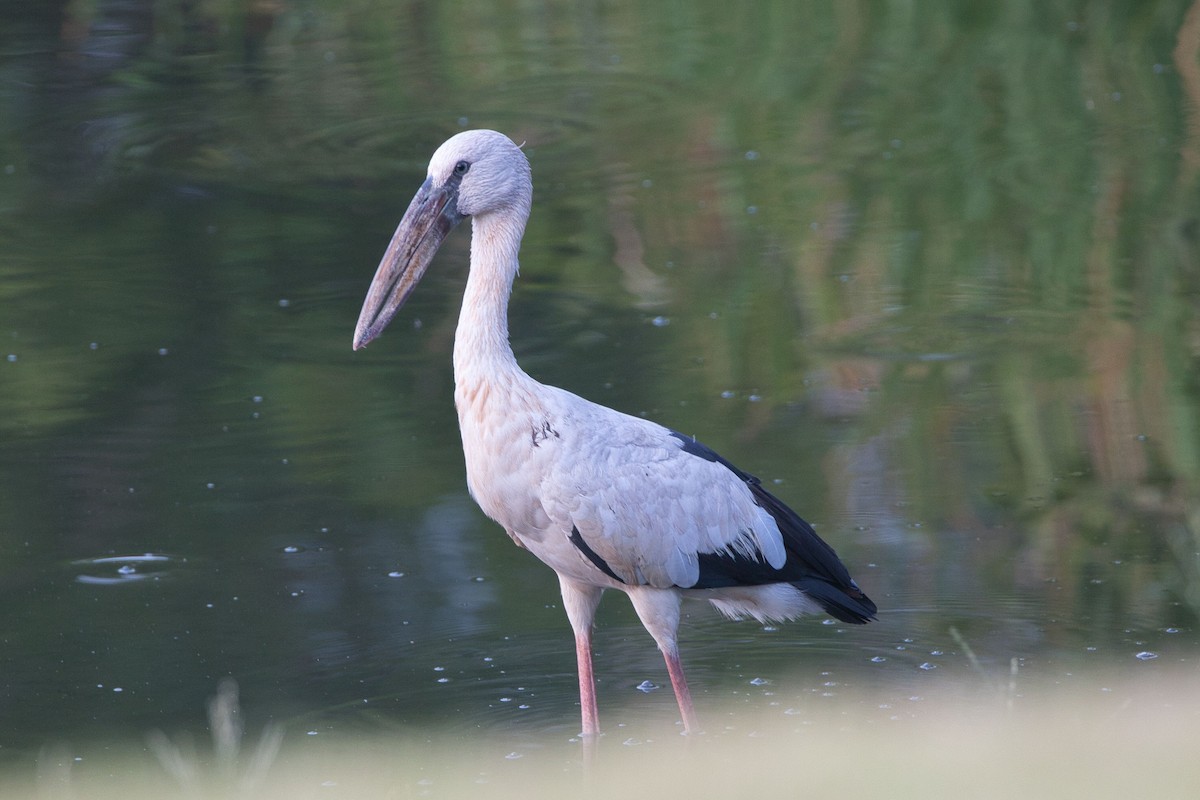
[[605, 499]]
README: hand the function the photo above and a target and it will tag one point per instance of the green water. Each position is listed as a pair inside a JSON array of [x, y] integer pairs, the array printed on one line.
[[930, 270]]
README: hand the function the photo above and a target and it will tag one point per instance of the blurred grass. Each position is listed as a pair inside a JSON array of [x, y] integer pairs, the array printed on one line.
[[1099, 738]]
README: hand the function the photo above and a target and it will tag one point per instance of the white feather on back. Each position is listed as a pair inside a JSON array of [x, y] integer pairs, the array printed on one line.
[[640, 502]]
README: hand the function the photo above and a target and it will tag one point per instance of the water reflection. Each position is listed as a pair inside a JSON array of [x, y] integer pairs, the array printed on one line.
[[928, 274]]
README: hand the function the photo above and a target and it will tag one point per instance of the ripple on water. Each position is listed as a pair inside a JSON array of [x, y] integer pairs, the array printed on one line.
[[117, 570]]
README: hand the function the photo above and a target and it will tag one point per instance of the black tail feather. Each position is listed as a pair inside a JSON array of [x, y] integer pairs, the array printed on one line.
[[849, 606]]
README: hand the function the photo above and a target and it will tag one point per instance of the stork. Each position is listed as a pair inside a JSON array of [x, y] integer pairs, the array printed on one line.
[[605, 499]]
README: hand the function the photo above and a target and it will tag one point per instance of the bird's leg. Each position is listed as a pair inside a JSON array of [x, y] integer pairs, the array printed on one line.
[[587, 683], [580, 601], [682, 694], [658, 610]]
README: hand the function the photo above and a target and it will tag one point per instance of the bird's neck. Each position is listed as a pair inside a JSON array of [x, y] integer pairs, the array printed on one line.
[[482, 353]]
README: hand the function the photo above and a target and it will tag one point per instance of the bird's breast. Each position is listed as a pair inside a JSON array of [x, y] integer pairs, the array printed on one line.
[[510, 440]]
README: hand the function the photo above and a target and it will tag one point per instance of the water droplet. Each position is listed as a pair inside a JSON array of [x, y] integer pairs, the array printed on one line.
[[257, 398], [927, 666], [751, 155], [162, 351], [759, 681], [93, 345], [439, 669], [118, 689], [523, 705], [879, 659], [291, 548], [397, 574], [284, 302], [754, 398], [1146, 655], [311, 733], [12, 357], [513, 756], [127, 569], [1170, 630], [506, 699], [751, 210], [443, 680], [210, 485], [727, 394], [646, 686], [660, 322]]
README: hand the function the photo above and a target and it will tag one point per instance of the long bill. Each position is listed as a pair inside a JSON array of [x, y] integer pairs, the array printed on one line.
[[431, 215]]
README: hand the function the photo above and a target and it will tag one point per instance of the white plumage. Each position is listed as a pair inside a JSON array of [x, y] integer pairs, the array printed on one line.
[[607, 500]]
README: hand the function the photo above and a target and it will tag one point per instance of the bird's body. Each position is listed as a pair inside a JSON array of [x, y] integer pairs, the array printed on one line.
[[607, 500]]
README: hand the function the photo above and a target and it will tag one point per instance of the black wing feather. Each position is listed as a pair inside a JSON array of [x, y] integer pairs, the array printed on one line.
[[812, 565]]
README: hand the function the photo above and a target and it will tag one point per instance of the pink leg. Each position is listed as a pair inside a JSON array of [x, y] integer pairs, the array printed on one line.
[[682, 694], [587, 684], [659, 611], [580, 601]]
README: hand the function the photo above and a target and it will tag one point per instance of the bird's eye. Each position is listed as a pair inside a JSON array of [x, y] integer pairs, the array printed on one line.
[[461, 168]]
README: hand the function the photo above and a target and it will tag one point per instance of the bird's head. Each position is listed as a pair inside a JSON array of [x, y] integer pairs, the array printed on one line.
[[485, 170], [473, 174]]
